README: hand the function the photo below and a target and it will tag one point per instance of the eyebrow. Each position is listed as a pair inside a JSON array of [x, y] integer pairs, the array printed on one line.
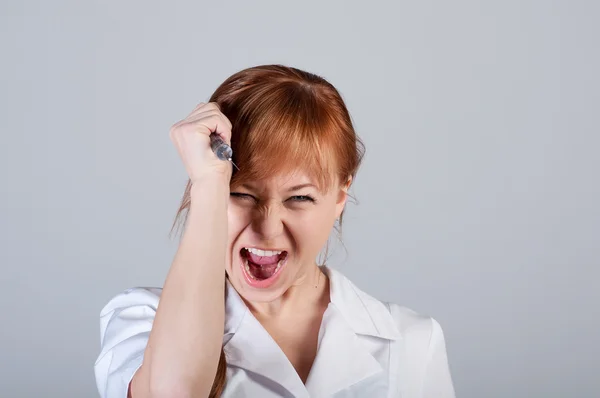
[[297, 187], [294, 188]]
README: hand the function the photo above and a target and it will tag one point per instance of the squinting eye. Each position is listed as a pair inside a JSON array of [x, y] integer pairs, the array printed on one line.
[[302, 198], [244, 196]]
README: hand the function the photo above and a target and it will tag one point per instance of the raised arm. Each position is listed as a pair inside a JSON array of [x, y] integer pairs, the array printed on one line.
[[183, 349]]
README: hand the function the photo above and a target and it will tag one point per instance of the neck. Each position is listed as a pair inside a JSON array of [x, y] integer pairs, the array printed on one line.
[[310, 292]]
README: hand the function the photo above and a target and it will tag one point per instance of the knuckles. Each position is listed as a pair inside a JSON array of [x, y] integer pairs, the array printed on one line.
[[212, 111]]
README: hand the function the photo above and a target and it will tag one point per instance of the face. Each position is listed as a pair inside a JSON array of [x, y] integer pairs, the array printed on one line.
[[277, 227]]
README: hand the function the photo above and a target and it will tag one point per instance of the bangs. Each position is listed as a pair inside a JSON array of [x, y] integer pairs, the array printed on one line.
[[283, 131]]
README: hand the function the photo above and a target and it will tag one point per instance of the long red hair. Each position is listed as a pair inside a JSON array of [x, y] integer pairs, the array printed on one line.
[[284, 118]]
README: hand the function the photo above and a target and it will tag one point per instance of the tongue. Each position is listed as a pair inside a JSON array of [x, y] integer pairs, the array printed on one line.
[[262, 271], [263, 260], [262, 267]]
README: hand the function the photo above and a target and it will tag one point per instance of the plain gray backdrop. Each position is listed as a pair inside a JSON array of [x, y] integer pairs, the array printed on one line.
[[478, 197]]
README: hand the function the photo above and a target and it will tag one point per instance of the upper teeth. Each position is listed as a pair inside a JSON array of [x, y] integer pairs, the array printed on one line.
[[260, 252]]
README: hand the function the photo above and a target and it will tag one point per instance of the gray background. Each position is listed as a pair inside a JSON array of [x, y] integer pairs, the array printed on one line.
[[478, 198]]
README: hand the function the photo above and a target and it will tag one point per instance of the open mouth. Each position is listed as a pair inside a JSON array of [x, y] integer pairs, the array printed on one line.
[[261, 267]]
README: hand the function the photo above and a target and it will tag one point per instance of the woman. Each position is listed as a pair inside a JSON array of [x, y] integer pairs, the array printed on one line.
[[285, 326]]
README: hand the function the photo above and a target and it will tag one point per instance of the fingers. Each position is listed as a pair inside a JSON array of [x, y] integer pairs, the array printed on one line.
[[210, 113], [203, 108], [201, 105], [210, 118]]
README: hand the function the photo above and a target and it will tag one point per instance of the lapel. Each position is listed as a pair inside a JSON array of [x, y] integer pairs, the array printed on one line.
[[342, 358], [249, 346]]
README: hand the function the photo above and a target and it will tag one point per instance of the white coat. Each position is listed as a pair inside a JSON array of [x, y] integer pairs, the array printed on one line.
[[366, 348]]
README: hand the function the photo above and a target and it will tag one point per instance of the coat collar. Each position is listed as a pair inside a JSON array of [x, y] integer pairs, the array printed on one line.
[[342, 358], [363, 313]]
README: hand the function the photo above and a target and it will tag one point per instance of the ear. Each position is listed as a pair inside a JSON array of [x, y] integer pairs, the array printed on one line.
[[342, 196]]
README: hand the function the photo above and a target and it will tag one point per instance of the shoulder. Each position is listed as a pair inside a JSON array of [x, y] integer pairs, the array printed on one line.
[[423, 346], [422, 343], [371, 316], [416, 341], [134, 304], [410, 321], [417, 363], [125, 324], [135, 296], [128, 313], [418, 330]]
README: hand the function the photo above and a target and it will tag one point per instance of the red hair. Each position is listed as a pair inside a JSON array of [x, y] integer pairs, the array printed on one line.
[[284, 118]]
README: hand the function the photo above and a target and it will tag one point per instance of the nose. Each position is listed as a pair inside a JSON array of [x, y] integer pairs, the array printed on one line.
[[267, 222]]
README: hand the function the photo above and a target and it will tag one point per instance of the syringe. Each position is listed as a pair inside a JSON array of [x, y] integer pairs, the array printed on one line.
[[221, 149]]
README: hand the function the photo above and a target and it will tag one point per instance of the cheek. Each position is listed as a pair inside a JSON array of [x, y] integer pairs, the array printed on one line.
[[237, 219], [312, 230]]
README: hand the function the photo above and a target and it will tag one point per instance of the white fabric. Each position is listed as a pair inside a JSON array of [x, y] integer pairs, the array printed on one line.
[[365, 349]]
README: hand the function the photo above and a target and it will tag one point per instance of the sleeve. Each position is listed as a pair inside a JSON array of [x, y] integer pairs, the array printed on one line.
[[125, 324], [437, 381]]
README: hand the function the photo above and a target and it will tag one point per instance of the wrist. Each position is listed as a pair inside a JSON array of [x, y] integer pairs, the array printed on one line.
[[210, 185]]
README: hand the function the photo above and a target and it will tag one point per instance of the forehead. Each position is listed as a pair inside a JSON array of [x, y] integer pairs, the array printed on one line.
[[284, 181]]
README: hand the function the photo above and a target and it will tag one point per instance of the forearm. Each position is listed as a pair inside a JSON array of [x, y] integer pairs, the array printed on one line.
[[187, 333]]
